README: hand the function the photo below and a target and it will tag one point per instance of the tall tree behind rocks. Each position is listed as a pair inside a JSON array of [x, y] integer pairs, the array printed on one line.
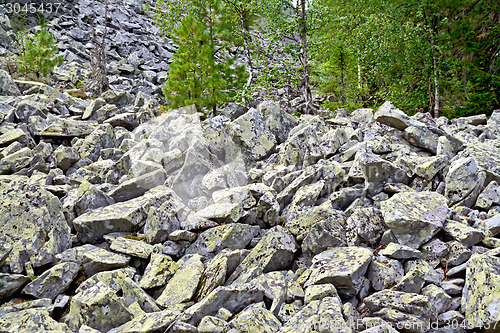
[[211, 25]]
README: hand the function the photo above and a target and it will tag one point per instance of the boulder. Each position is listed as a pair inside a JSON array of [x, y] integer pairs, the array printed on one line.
[[415, 217], [7, 86], [273, 252], [344, 267], [183, 284], [53, 281], [97, 307], [32, 224], [481, 291], [252, 131]]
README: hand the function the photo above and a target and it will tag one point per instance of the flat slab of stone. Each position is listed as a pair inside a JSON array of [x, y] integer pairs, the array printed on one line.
[[132, 247], [53, 281]]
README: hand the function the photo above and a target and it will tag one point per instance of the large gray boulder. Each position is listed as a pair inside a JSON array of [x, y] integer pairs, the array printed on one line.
[[415, 217], [482, 291], [32, 224], [7, 86]]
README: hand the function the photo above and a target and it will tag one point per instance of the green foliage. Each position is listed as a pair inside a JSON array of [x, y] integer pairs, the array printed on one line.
[[38, 52], [195, 77]]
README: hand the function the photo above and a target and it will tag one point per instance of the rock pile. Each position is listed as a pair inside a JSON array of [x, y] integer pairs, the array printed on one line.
[[137, 57], [117, 218]]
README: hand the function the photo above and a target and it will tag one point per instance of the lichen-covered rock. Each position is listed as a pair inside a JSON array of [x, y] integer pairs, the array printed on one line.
[[136, 187], [148, 323], [384, 272], [183, 284], [487, 156], [256, 318], [378, 172], [98, 307], [489, 196], [389, 115], [278, 121], [64, 157], [365, 224], [12, 136], [31, 320], [66, 128], [99, 260], [343, 267], [211, 324], [253, 133], [113, 279], [102, 137], [317, 292], [223, 212], [122, 216], [395, 306], [422, 137], [323, 235], [7, 85], [32, 224], [53, 281], [463, 233], [398, 251], [162, 221], [415, 217], [11, 283], [231, 236], [16, 161], [132, 247], [274, 252], [159, 270], [318, 316], [492, 225], [232, 298], [134, 295], [438, 297], [461, 179], [481, 293]]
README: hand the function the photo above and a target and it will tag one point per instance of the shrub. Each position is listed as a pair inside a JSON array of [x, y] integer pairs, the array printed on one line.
[[38, 52]]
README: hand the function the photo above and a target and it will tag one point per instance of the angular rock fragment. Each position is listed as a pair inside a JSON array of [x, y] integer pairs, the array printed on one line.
[[384, 272], [256, 318], [343, 267], [35, 232], [132, 247], [415, 217], [318, 316], [11, 283], [148, 323], [98, 307], [31, 320], [53, 281], [224, 213], [231, 236], [232, 298], [463, 233], [159, 270], [274, 251], [481, 293], [183, 284]]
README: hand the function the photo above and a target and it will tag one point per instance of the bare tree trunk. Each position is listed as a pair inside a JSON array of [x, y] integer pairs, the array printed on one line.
[[436, 86], [342, 83], [464, 81], [360, 83], [304, 57]]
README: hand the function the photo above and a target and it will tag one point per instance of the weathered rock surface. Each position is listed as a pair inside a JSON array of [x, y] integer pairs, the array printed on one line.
[[254, 220], [415, 217]]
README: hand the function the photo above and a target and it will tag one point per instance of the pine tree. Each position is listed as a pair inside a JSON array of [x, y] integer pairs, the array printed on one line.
[[195, 76], [38, 52]]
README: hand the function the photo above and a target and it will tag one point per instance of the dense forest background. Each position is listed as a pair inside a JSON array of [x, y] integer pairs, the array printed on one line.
[[434, 56]]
